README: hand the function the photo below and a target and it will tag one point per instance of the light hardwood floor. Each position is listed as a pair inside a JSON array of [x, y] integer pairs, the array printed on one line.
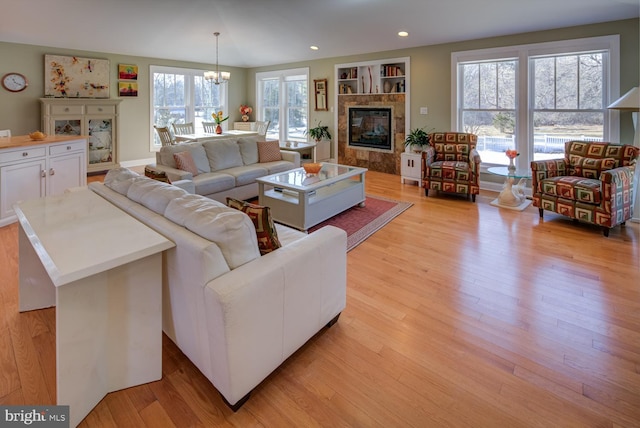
[[458, 314]]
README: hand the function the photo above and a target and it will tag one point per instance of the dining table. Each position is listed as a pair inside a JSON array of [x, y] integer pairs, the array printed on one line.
[[206, 136]]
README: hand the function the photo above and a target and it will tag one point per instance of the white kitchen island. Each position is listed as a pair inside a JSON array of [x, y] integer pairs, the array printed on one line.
[[102, 270]]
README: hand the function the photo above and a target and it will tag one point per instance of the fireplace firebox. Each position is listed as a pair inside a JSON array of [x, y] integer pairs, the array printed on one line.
[[370, 127]]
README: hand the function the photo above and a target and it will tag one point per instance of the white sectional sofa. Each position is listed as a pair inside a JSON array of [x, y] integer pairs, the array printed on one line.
[[226, 166], [235, 314]]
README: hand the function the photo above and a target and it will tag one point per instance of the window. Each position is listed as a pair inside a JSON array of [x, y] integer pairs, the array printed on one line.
[[180, 95], [533, 98], [283, 100]]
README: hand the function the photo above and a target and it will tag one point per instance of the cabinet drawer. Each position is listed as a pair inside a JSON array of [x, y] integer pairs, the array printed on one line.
[[69, 147], [22, 154], [101, 109], [67, 110]]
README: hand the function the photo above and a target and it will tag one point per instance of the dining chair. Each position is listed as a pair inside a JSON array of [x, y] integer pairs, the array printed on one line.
[[183, 128], [166, 139], [5, 133], [261, 127], [209, 127]]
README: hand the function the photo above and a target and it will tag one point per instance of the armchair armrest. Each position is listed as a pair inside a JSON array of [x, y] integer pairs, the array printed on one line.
[[615, 183], [427, 158], [474, 161]]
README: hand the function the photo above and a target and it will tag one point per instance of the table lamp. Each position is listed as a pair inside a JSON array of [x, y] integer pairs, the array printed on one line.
[[631, 102]]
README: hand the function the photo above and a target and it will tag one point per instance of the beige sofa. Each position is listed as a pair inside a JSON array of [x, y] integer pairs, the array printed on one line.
[[226, 167], [235, 314]]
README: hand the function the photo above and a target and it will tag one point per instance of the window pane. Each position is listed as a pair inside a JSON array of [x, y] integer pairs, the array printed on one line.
[[567, 82], [471, 85], [591, 81], [506, 85], [552, 129], [544, 82], [495, 131]]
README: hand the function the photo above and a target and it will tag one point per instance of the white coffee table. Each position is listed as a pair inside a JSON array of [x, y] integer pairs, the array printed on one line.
[[302, 201], [102, 269]]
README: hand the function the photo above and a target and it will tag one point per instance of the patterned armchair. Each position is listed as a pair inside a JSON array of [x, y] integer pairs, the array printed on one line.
[[451, 164], [593, 183]]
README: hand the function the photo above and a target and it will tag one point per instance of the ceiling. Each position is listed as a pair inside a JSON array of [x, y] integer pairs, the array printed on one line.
[[266, 32]]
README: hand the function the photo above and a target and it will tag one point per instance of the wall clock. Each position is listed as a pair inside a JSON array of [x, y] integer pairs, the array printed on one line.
[[14, 82]]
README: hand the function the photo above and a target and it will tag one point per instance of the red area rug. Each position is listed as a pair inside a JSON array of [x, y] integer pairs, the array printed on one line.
[[362, 222]]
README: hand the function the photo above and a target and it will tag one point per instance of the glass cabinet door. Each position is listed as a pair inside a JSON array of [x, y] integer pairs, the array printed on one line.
[[67, 126], [100, 140]]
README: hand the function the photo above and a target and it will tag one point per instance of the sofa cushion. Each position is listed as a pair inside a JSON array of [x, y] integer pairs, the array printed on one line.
[[248, 150], [247, 174], [153, 194], [589, 167], [119, 179], [269, 151], [185, 162], [230, 229], [213, 182], [261, 218], [573, 188], [165, 155], [223, 154]]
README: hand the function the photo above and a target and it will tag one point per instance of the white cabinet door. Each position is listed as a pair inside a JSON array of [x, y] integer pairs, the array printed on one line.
[[19, 182], [65, 171]]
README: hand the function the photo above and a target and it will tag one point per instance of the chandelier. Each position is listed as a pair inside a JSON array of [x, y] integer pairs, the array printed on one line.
[[216, 76]]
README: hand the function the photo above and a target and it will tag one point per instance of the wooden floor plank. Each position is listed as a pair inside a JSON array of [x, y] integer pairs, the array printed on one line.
[[459, 314]]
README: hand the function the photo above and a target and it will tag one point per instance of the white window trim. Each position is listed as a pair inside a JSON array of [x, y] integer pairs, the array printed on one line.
[[522, 53], [282, 76]]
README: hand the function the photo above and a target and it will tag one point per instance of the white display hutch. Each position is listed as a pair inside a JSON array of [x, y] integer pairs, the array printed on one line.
[[95, 118]]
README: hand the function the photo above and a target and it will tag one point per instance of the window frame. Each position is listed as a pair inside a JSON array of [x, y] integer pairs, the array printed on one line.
[[524, 84], [189, 96], [283, 76]]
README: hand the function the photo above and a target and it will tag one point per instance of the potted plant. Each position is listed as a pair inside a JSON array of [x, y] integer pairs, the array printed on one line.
[[417, 140], [319, 132]]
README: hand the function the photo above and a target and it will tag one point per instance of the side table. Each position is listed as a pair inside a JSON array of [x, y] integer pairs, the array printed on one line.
[[512, 196], [411, 167], [307, 150]]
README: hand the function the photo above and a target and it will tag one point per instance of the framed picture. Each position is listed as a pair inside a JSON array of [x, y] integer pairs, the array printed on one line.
[[75, 77], [320, 89], [128, 89], [127, 72]]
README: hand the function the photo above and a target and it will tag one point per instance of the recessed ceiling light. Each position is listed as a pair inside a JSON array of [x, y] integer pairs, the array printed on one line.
[[403, 34], [314, 48]]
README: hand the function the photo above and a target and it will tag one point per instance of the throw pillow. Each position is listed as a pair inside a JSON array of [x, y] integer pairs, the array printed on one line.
[[269, 151], [156, 175], [261, 218], [185, 162], [589, 167]]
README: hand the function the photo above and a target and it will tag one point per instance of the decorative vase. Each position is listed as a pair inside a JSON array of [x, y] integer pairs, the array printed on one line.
[[512, 166], [218, 129], [245, 117]]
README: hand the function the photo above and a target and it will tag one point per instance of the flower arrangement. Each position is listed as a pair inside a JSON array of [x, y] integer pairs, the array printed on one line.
[[218, 118], [245, 110], [511, 153]]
